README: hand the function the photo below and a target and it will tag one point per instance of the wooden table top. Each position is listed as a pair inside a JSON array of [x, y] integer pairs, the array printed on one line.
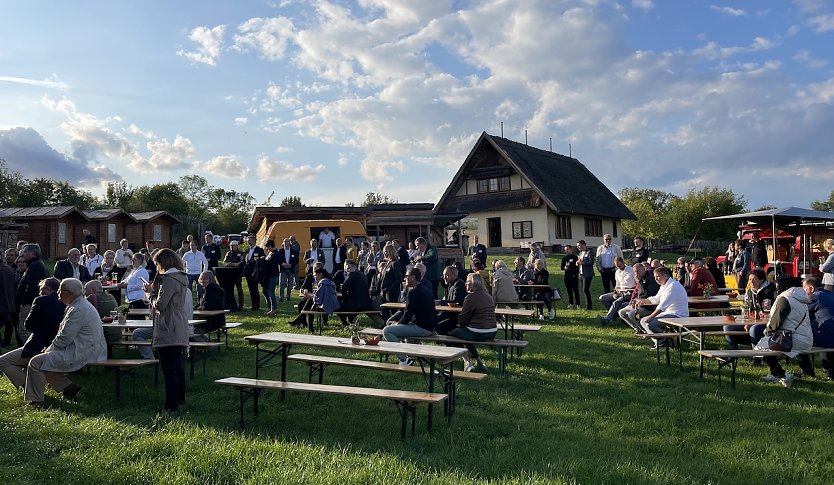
[[705, 322], [142, 324], [209, 313], [436, 352], [501, 312]]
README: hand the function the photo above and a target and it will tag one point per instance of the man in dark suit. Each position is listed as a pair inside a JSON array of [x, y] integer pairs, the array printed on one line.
[[478, 251], [212, 251], [8, 287], [313, 255], [355, 292], [72, 267], [402, 255], [43, 322], [455, 294], [339, 255], [288, 264], [250, 270], [28, 287]]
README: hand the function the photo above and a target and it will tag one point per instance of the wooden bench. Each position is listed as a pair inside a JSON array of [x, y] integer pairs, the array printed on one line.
[[224, 330], [516, 332], [317, 364], [499, 346], [201, 348], [127, 367], [667, 337], [320, 315], [730, 358], [406, 401]]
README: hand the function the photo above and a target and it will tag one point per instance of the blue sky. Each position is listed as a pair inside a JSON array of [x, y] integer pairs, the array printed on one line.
[[329, 100]]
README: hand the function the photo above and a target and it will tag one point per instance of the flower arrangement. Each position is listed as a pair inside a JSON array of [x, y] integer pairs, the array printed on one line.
[[708, 290]]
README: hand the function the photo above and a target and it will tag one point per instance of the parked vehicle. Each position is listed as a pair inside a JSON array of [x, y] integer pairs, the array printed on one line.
[[305, 230]]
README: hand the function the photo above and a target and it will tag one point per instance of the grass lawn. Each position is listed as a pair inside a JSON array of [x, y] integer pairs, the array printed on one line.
[[584, 404]]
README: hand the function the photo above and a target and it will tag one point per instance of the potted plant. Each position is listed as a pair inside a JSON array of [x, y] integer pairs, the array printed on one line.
[[708, 290]]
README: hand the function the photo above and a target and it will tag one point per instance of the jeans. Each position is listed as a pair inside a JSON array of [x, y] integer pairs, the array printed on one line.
[[654, 326], [545, 297], [616, 305], [586, 287], [170, 360], [733, 341], [466, 334], [144, 335], [286, 285], [572, 287], [398, 331], [632, 317], [269, 293]]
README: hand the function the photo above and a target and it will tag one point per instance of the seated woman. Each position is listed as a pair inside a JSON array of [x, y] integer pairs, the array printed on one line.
[[761, 289], [478, 268], [107, 268], [542, 277], [323, 299], [790, 312], [214, 298], [503, 289], [476, 321]]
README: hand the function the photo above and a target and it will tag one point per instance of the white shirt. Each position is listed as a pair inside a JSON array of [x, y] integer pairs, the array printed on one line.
[[92, 262], [606, 255], [624, 278], [124, 258], [194, 262], [326, 240], [671, 299], [135, 287]]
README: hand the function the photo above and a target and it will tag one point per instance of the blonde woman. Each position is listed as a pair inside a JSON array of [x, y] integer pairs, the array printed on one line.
[[827, 267]]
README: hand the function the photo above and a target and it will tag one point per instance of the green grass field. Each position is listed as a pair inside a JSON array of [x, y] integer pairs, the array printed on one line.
[[584, 404]]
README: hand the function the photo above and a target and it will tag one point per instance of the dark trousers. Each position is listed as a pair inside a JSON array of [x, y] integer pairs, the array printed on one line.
[[586, 288], [608, 281], [435, 284], [170, 360], [239, 288], [802, 359], [252, 283], [9, 321], [466, 334], [308, 304], [572, 288], [138, 304]]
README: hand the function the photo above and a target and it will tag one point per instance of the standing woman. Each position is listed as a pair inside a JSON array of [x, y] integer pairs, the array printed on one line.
[[123, 259], [269, 268], [827, 267], [168, 295], [390, 279]]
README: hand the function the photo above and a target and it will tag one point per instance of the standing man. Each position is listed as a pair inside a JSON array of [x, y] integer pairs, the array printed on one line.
[[195, 262], [428, 256], [606, 254], [402, 254], [640, 253], [352, 254], [571, 268], [585, 260], [211, 251], [326, 238], [288, 264], [88, 238], [478, 251], [671, 302], [250, 270], [758, 252], [234, 259], [313, 255], [339, 255], [28, 288], [296, 246], [8, 287]]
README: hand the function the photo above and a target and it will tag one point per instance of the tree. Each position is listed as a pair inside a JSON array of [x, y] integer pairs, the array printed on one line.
[[375, 198], [686, 213], [65, 194], [291, 201], [118, 194], [766, 207], [10, 186], [651, 208], [824, 205], [166, 197]]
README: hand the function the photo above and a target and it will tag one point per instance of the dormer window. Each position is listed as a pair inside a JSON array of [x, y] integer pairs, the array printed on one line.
[[495, 184]]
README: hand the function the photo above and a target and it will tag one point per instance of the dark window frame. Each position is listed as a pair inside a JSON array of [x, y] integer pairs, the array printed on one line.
[[593, 227], [524, 229], [563, 227], [493, 184]]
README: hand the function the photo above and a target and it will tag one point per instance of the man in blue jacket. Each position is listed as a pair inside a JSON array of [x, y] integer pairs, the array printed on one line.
[[419, 318]]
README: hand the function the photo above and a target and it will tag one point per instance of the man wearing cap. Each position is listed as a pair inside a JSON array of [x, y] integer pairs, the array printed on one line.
[[234, 259], [212, 251]]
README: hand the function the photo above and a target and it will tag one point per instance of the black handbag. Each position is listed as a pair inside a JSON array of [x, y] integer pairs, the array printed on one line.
[[782, 340]]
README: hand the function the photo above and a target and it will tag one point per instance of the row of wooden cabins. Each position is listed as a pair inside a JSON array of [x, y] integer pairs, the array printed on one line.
[[57, 229]]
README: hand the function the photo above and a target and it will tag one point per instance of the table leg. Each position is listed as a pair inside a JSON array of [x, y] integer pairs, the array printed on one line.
[[431, 390], [700, 356], [284, 351]]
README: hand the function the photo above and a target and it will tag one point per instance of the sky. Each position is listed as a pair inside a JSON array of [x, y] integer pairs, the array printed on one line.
[[330, 99]]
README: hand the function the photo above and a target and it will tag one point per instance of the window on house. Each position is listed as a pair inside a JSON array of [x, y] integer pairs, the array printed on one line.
[[614, 232], [62, 233], [111, 233], [593, 226], [157, 232], [495, 184], [563, 229], [523, 230]]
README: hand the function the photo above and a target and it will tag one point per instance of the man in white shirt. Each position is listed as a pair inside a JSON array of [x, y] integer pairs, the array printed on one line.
[[671, 301], [327, 238], [606, 255], [625, 283], [124, 258], [195, 263]]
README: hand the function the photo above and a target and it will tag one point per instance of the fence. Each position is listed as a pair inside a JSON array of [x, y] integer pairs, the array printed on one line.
[[705, 248]]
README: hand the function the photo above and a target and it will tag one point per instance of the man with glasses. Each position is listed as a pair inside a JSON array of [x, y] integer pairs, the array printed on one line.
[[419, 318], [671, 302], [606, 255]]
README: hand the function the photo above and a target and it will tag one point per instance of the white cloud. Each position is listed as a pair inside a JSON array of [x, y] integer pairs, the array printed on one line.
[[714, 51], [804, 56], [282, 149], [643, 4], [731, 11], [209, 40], [167, 155], [228, 166], [822, 23], [54, 83], [268, 36], [270, 169], [241, 120]]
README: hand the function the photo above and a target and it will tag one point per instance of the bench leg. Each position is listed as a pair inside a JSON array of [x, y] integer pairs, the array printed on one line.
[[315, 370], [118, 383], [403, 408], [668, 363], [191, 362]]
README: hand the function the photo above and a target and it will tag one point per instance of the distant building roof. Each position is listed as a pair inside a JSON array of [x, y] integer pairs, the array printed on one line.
[[19, 213], [564, 183], [148, 216], [105, 214]]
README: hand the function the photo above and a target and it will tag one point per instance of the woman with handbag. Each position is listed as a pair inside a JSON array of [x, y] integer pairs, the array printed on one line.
[[788, 330]]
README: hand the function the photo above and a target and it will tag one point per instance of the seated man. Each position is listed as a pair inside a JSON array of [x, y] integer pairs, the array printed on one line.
[[80, 340], [761, 289], [43, 321], [418, 319], [324, 299], [455, 294], [624, 284], [821, 311], [104, 303], [72, 267], [646, 287], [356, 295], [671, 302]]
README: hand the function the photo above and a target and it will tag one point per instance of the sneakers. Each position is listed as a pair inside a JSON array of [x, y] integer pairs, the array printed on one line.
[[786, 381], [469, 367], [407, 362], [772, 378], [552, 314], [541, 317]]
